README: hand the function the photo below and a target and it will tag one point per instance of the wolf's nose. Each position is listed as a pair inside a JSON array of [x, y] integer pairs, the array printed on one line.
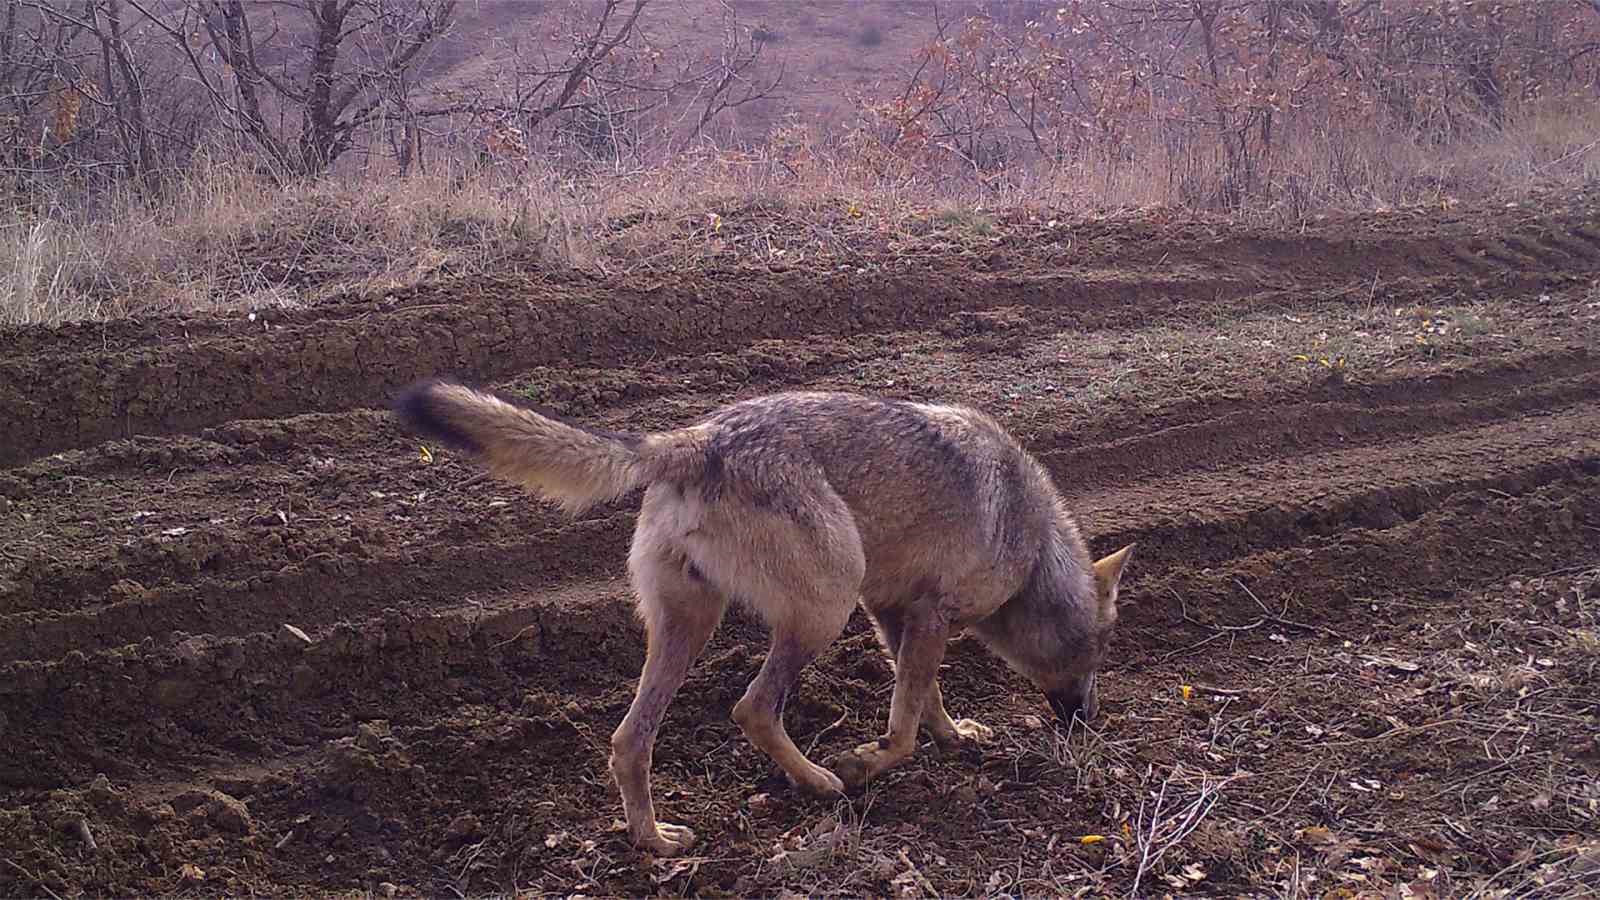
[[1072, 702]]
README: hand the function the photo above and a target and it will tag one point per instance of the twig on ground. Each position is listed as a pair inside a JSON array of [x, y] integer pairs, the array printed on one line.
[[824, 732], [515, 637], [1220, 691], [1195, 646], [1154, 838], [33, 878], [1278, 617]]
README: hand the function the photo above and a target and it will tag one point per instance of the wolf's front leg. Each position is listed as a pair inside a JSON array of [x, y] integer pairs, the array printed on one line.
[[916, 670], [948, 733]]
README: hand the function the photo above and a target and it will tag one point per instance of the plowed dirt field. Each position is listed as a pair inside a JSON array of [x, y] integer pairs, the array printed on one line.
[[254, 640]]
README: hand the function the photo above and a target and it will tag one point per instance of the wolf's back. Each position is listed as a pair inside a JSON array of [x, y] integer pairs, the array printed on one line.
[[570, 464]]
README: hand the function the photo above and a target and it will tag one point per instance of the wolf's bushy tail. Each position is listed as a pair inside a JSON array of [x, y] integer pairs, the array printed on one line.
[[575, 466]]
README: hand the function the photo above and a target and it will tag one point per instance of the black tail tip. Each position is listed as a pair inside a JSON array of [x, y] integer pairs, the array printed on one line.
[[420, 409]]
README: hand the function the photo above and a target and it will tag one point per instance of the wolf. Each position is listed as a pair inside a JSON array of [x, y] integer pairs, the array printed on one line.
[[803, 505]]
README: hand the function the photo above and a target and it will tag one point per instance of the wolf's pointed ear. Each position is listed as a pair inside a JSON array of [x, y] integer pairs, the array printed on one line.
[[1108, 574]]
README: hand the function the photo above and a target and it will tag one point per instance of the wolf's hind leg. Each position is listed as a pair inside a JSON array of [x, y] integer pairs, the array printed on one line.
[[760, 712], [680, 611]]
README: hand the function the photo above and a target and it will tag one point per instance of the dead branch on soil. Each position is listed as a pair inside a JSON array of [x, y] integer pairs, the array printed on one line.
[[1278, 618], [1158, 828], [1221, 630]]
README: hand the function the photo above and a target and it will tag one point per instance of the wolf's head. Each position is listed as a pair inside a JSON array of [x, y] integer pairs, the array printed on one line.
[[1057, 630], [1074, 691]]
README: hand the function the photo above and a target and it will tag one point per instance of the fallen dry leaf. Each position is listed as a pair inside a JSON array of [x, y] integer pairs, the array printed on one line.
[[1316, 835]]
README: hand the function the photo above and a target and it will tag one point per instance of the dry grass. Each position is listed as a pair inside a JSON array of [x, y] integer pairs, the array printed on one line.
[[225, 239]]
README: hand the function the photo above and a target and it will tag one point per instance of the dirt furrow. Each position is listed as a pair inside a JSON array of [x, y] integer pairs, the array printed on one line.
[[531, 685], [350, 364], [178, 505], [172, 569], [1201, 518], [1196, 518], [1557, 235], [324, 366], [1218, 435]]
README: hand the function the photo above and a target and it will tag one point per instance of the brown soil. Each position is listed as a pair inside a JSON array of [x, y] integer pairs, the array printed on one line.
[[1362, 464]]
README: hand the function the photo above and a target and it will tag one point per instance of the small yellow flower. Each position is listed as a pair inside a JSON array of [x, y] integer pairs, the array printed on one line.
[[1088, 839], [1186, 690]]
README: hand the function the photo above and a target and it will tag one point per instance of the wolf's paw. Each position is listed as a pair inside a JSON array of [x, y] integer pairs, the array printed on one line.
[[818, 782], [965, 732], [865, 761], [668, 840]]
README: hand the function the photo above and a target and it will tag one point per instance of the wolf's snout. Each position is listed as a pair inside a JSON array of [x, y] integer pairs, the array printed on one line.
[[1075, 699]]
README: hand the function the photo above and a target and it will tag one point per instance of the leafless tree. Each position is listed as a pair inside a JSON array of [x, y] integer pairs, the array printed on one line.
[[595, 90], [95, 84], [81, 90], [302, 79]]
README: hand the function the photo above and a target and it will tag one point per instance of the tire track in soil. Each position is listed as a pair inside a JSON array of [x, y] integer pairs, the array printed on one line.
[[1283, 500], [583, 639], [163, 664], [220, 368], [1416, 245], [329, 367], [218, 580]]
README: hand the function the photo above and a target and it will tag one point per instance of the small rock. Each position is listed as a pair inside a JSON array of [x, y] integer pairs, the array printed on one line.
[[1033, 723], [240, 785], [292, 638], [760, 804], [191, 650], [303, 681], [231, 814], [100, 789], [226, 812], [464, 826], [373, 735], [172, 692], [388, 888]]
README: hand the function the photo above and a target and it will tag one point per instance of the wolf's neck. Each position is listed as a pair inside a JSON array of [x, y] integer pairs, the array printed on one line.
[[1052, 615]]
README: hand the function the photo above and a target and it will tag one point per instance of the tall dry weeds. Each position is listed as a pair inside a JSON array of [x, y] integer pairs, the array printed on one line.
[[224, 237]]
